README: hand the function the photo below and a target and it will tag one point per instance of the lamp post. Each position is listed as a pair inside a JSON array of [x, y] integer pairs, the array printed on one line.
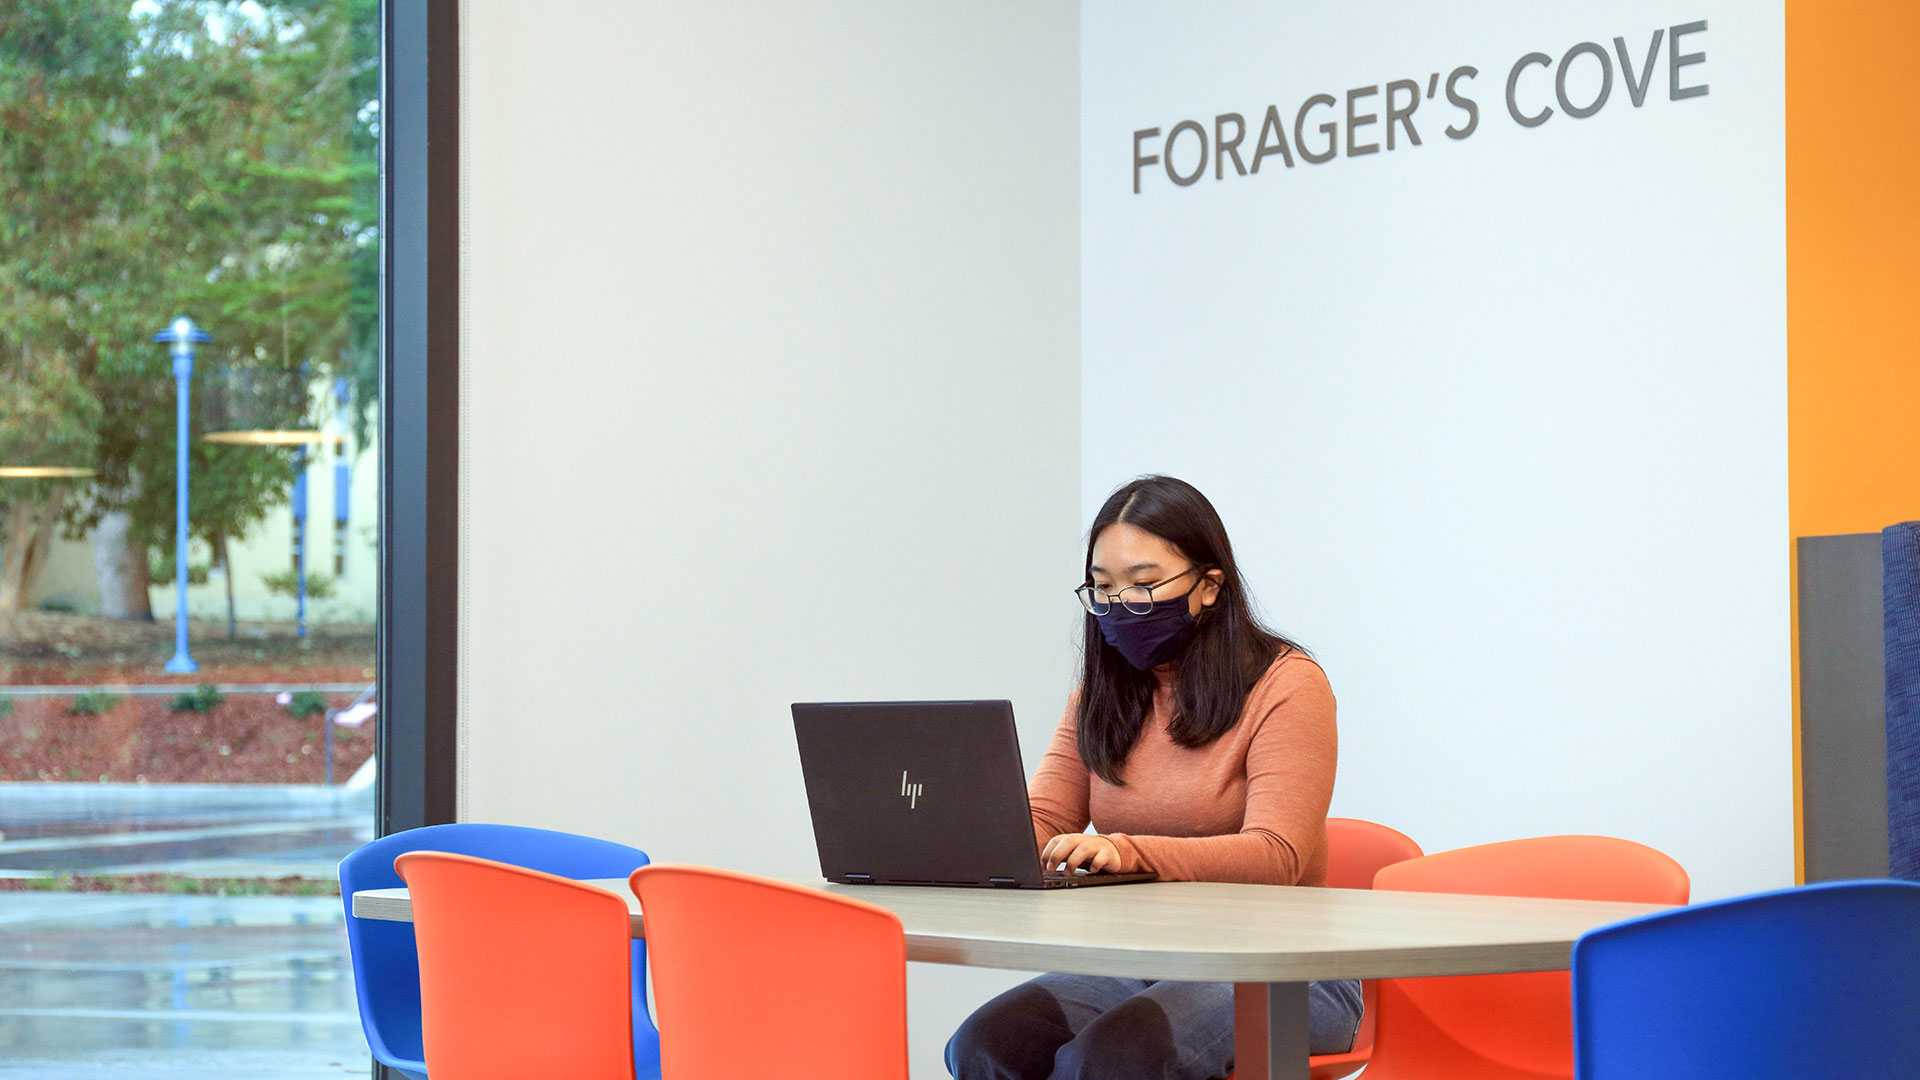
[[44, 472], [180, 336], [300, 542], [241, 430]]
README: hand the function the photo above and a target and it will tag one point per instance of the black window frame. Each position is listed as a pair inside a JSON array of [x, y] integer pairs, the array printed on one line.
[[419, 608], [419, 677]]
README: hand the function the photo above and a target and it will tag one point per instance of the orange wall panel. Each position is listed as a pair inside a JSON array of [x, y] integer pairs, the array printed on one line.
[[1853, 266], [1853, 277]]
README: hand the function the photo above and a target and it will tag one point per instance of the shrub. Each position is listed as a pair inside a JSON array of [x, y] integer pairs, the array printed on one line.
[[200, 699], [286, 583], [160, 569], [307, 703], [92, 703], [6, 706]]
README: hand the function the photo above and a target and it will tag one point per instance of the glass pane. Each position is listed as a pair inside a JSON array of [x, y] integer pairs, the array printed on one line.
[[186, 744]]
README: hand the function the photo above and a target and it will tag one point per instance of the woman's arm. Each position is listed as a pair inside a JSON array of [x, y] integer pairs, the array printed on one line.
[[1290, 766], [1058, 791]]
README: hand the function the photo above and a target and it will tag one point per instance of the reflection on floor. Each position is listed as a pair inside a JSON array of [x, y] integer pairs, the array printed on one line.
[[93, 986]]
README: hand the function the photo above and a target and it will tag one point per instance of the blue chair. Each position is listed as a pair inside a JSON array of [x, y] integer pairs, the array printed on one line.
[[1808, 983], [386, 967]]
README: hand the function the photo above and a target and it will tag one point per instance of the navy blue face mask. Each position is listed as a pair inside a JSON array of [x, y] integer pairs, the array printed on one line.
[[1152, 639]]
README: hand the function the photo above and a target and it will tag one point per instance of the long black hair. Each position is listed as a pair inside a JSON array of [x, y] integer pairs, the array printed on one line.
[[1227, 653]]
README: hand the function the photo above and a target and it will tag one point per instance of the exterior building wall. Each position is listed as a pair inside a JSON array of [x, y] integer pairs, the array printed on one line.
[[68, 582]]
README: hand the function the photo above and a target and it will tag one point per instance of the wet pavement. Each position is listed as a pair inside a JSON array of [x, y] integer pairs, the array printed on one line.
[[206, 830], [164, 986]]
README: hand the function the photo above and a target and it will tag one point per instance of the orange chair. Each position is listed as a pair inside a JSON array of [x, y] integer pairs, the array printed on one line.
[[1505, 1027], [521, 973], [758, 978], [1356, 851]]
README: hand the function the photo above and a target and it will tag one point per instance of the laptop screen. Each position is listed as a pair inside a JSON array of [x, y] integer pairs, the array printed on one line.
[[917, 791]]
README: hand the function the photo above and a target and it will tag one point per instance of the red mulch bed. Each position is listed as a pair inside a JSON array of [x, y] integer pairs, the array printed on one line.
[[63, 674], [246, 739]]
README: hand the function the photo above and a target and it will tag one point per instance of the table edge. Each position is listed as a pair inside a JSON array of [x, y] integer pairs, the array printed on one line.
[[1148, 963]]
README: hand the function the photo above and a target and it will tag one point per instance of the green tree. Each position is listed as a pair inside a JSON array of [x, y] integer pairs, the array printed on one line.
[[192, 156], [62, 65], [47, 418]]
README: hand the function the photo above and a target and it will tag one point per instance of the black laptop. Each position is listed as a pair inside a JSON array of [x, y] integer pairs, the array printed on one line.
[[923, 793]]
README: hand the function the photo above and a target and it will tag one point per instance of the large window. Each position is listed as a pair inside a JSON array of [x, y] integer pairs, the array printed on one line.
[[186, 744]]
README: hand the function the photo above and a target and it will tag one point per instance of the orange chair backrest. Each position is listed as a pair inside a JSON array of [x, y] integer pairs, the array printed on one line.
[[759, 978], [1454, 1026], [521, 973], [1357, 850]]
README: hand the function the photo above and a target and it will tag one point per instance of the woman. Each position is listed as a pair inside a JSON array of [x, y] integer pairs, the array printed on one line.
[[1201, 746]]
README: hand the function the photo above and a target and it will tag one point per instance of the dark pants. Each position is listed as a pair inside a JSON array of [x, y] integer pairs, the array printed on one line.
[[1088, 1027]]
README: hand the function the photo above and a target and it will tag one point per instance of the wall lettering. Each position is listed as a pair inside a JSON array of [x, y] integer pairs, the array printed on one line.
[[1365, 119]]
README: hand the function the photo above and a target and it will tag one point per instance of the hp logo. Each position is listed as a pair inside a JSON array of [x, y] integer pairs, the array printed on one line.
[[910, 792]]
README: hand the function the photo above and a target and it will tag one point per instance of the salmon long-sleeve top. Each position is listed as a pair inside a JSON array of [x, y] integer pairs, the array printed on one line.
[[1249, 807]]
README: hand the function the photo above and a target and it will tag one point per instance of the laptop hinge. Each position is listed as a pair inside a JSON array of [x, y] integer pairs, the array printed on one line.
[[1003, 883]]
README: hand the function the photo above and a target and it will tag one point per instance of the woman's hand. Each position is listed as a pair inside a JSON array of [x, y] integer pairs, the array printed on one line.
[[1097, 853]]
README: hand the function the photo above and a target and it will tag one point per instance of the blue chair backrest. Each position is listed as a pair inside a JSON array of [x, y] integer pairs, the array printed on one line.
[[1818, 981], [386, 966]]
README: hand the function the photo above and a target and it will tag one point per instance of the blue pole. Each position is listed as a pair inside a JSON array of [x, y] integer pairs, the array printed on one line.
[[180, 336], [342, 501], [342, 482], [300, 541]]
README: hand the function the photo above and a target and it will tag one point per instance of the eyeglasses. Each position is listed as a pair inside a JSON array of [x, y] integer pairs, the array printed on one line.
[[1135, 598]]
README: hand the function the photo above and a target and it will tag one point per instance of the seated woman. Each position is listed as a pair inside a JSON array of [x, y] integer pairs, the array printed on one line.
[[1201, 745]]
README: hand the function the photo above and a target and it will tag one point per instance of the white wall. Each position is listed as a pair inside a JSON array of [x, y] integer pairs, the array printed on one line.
[[774, 391], [1498, 424], [772, 376]]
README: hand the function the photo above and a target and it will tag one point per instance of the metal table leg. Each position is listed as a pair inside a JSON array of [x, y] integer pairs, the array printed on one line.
[[1270, 1031]]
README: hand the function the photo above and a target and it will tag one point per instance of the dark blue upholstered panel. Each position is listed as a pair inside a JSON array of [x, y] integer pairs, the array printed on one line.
[[1900, 554]]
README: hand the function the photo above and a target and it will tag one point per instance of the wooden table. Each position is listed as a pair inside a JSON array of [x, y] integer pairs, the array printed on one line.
[[1268, 941]]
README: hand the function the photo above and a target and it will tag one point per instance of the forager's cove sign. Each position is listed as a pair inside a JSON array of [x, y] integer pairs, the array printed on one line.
[[1187, 153]]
